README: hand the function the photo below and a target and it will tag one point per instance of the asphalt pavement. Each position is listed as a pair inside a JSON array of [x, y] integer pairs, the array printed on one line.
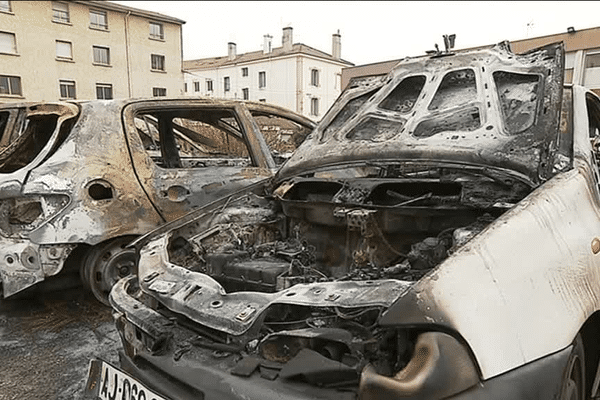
[[47, 340]]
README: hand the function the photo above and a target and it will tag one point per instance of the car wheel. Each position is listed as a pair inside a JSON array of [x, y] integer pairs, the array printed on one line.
[[573, 384], [105, 264]]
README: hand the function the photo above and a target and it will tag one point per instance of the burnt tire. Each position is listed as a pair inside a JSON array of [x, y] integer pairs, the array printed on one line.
[[105, 264], [573, 381]]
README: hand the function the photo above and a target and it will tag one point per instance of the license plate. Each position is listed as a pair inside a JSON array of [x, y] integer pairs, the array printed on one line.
[[106, 382]]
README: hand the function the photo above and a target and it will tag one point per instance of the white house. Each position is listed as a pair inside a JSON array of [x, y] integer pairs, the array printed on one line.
[[295, 76]]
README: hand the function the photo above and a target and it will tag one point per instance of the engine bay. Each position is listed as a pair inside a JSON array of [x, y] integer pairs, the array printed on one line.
[[322, 229]]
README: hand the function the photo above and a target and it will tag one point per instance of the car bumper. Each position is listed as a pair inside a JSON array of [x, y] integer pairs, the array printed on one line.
[[181, 372]]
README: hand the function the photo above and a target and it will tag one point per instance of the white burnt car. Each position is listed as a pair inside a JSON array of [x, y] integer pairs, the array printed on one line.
[[79, 181], [436, 237]]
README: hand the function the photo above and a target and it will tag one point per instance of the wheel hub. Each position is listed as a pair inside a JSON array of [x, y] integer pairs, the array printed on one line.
[[106, 264]]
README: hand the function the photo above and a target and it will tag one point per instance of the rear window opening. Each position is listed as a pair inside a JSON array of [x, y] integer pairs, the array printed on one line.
[[32, 132], [34, 135]]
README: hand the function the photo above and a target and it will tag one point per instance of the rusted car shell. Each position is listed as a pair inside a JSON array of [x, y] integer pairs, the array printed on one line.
[[100, 149]]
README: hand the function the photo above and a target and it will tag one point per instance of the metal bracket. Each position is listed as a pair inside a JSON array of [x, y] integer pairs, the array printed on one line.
[[356, 219]]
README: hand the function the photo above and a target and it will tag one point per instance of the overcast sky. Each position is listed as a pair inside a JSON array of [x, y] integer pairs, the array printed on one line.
[[371, 31]]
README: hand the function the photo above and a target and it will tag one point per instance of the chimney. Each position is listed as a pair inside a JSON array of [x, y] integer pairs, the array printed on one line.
[[287, 40], [336, 45], [267, 44], [231, 51]]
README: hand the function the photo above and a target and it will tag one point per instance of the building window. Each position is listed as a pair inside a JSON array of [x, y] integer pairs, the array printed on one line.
[[104, 91], [226, 84], [67, 89], [101, 55], [5, 6], [246, 93], [592, 60], [591, 76], [338, 81], [157, 62], [209, 85], [262, 100], [64, 50], [8, 43], [156, 31], [185, 87], [262, 79], [60, 12], [98, 20], [197, 86], [159, 92], [10, 85], [314, 106], [314, 77], [245, 71]]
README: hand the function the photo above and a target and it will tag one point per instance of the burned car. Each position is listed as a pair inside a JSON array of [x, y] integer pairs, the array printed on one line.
[[78, 181], [435, 237]]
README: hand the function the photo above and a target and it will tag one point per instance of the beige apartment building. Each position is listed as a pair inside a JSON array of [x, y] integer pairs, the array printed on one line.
[[582, 57], [58, 50]]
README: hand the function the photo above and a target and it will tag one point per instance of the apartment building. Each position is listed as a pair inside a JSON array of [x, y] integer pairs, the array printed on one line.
[[582, 57], [58, 50], [295, 76]]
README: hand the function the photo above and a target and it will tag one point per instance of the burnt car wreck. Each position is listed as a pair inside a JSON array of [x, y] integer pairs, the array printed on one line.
[[435, 237], [79, 181]]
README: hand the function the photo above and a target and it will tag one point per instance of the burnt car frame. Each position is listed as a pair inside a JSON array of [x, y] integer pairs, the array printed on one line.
[[436, 237], [80, 180]]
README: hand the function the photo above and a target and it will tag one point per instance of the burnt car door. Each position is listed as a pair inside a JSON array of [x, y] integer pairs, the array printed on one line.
[[186, 154]]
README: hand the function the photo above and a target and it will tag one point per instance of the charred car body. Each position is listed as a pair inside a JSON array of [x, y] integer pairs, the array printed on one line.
[[435, 237], [81, 180]]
